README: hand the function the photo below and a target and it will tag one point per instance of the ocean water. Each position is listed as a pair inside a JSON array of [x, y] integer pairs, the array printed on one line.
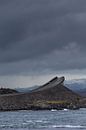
[[44, 120]]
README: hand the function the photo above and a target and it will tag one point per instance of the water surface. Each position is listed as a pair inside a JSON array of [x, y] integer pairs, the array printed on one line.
[[43, 120]]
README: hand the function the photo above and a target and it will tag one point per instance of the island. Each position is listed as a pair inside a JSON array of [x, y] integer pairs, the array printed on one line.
[[51, 95]]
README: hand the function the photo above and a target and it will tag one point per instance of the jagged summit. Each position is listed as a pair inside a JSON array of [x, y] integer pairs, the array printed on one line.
[[54, 90], [53, 82]]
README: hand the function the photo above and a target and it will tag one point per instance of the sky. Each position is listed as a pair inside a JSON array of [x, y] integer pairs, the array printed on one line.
[[40, 39]]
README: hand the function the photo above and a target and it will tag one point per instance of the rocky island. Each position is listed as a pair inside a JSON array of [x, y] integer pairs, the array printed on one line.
[[52, 95]]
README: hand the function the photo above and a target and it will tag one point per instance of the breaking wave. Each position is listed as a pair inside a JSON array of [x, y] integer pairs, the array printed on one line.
[[68, 126]]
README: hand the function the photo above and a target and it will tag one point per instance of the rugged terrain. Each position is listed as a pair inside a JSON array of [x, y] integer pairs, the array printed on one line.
[[52, 95], [7, 91]]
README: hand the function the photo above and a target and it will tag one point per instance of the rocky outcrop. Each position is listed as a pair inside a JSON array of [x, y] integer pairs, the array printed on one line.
[[52, 95], [7, 91], [52, 83]]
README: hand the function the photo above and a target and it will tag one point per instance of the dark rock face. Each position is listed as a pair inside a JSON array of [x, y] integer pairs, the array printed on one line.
[[52, 95], [52, 83], [7, 91]]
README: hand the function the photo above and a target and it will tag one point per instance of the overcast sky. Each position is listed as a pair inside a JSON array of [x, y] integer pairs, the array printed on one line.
[[40, 39]]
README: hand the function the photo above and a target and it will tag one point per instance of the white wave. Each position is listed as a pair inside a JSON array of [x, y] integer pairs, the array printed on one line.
[[68, 126], [24, 123], [29, 121], [65, 109], [5, 125], [53, 110], [39, 121], [2, 126]]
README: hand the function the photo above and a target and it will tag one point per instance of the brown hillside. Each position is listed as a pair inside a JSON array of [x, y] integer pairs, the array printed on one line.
[[54, 93]]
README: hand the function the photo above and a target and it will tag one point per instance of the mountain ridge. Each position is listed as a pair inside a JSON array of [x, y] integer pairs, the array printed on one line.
[[53, 94]]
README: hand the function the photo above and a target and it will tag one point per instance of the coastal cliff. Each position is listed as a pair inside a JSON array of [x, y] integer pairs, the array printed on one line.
[[52, 95]]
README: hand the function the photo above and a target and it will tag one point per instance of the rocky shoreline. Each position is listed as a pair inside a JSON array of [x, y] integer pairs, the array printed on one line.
[[39, 106]]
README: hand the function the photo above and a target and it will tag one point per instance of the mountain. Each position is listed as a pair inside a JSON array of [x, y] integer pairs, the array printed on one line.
[[53, 94], [82, 92], [26, 90], [78, 86]]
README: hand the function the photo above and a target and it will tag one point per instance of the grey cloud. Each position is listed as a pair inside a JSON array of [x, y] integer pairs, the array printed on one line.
[[39, 31]]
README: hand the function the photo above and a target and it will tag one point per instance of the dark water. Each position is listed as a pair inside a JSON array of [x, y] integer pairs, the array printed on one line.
[[43, 120]]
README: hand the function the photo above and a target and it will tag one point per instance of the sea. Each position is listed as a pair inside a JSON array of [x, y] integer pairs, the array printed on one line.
[[44, 120]]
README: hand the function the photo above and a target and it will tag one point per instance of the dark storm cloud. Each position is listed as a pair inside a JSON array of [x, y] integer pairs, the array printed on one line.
[[49, 34]]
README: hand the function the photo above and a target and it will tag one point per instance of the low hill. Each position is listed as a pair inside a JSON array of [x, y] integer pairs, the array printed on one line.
[[7, 91], [50, 95]]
